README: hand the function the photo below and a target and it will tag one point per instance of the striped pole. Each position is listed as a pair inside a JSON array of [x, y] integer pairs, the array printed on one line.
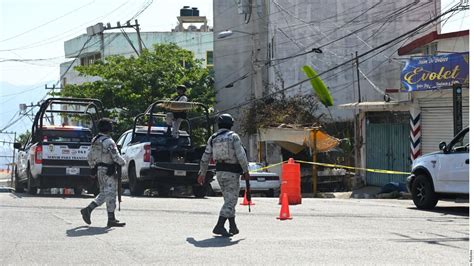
[[415, 133]]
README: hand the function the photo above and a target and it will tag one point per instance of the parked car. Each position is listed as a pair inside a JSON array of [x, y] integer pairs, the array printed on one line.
[[260, 181], [443, 174]]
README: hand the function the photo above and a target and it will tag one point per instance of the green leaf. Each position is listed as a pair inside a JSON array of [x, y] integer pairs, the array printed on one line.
[[319, 87]]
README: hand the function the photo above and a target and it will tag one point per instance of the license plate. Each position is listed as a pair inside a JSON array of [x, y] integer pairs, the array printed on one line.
[[179, 173], [261, 179], [72, 171]]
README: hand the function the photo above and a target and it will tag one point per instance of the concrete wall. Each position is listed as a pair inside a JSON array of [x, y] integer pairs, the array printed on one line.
[[291, 27], [299, 26], [460, 44], [116, 44]]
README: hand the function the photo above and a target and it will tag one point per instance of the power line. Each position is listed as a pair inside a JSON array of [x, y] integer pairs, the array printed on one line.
[[39, 26], [347, 61]]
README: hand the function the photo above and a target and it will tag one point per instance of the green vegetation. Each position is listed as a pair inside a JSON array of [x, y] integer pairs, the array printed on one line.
[[126, 86]]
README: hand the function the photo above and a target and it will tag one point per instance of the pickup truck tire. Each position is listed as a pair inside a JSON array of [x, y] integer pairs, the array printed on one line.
[[136, 187], [32, 190], [19, 187], [200, 191], [423, 193]]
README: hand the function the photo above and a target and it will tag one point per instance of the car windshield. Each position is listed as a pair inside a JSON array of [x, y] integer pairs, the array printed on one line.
[[461, 141], [67, 136]]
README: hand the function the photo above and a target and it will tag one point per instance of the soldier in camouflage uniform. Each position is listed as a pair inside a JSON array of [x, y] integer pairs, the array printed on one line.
[[103, 156], [225, 148]]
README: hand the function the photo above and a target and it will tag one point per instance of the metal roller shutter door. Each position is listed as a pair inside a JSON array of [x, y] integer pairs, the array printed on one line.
[[437, 122]]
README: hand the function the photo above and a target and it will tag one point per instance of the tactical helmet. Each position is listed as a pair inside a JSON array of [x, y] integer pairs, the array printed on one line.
[[105, 125], [225, 121], [181, 87]]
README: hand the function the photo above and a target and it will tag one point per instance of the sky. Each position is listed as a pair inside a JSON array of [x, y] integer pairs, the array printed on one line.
[[32, 29]]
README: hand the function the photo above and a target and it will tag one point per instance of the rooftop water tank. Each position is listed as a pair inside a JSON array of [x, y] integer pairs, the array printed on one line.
[[195, 12], [186, 12]]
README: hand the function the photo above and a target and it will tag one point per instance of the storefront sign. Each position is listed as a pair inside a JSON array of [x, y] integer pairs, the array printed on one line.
[[435, 72]]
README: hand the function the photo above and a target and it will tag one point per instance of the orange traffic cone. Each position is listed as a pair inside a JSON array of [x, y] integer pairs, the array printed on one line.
[[246, 202], [285, 209]]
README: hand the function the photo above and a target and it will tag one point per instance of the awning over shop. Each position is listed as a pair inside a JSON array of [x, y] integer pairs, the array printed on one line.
[[297, 139]]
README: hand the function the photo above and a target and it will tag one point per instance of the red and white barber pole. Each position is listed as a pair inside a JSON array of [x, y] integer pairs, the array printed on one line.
[[415, 133]]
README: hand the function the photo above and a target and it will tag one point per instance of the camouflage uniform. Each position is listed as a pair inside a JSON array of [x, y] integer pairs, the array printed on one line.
[[178, 117], [104, 150], [225, 147]]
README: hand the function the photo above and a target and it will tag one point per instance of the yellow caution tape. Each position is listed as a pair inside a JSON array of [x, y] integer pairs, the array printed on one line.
[[390, 172], [266, 167]]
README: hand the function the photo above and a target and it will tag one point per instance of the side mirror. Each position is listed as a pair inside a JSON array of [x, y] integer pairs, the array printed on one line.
[[119, 147], [17, 145], [442, 146]]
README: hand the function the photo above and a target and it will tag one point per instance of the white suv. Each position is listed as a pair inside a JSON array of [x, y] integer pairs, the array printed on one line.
[[443, 174]]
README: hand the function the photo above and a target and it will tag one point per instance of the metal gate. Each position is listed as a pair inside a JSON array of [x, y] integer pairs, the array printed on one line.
[[387, 147]]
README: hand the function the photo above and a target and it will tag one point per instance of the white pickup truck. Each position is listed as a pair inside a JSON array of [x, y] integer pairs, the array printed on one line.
[[156, 160], [443, 174], [55, 156]]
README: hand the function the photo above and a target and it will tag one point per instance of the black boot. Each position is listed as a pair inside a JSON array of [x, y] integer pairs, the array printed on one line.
[[86, 212], [219, 229], [112, 222], [232, 226]]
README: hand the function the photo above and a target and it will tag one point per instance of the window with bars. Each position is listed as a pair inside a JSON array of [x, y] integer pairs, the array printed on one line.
[[209, 58], [90, 59]]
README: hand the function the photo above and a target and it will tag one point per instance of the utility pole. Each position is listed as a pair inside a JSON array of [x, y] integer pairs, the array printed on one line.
[[99, 28], [358, 78], [13, 160], [52, 91], [137, 29], [457, 108], [358, 146]]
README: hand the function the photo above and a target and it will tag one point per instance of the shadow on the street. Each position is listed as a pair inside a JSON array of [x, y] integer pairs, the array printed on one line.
[[26, 195], [87, 231], [455, 210], [215, 242], [437, 239]]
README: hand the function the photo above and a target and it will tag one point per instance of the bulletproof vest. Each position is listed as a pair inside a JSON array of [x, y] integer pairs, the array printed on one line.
[[100, 150], [182, 115], [223, 146]]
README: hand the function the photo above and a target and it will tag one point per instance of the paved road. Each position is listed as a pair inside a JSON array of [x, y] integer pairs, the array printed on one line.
[[49, 229]]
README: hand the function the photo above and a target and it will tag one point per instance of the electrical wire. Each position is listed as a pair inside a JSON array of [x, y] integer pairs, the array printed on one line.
[[44, 24], [344, 63]]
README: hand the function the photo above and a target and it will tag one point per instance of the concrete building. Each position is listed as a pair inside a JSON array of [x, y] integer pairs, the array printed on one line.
[[191, 33], [272, 40]]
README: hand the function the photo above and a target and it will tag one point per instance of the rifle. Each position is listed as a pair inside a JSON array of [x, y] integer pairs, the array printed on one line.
[[118, 175], [247, 188]]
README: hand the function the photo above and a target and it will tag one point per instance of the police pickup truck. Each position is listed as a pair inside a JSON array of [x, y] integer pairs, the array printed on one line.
[[55, 156], [156, 160], [443, 174]]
